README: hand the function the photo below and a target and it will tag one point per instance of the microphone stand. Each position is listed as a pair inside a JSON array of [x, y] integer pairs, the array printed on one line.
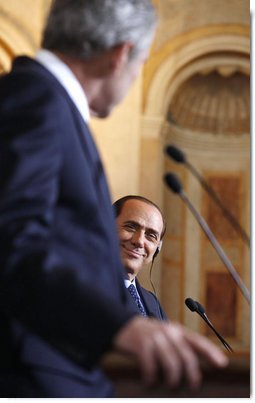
[[205, 318], [195, 306], [217, 247]]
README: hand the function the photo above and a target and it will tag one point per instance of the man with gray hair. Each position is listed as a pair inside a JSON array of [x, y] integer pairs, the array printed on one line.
[[62, 299]]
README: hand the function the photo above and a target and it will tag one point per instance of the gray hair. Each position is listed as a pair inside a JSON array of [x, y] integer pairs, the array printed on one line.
[[85, 28]]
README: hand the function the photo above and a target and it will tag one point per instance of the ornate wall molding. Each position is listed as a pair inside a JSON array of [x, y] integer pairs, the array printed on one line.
[[207, 144], [192, 57]]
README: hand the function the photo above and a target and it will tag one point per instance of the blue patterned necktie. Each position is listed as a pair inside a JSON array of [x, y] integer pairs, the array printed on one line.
[[134, 294]]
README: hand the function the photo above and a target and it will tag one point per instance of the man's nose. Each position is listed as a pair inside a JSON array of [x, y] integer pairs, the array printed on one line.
[[138, 239]]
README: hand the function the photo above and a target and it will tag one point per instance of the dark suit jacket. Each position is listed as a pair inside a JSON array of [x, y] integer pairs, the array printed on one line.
[[62, 297], [150, 302]]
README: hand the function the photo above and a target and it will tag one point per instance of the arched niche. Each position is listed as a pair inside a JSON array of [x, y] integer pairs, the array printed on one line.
[[205, 53], [186, 61]]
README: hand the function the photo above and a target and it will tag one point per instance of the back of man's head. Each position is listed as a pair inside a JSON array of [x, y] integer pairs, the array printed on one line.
[[86, 28]]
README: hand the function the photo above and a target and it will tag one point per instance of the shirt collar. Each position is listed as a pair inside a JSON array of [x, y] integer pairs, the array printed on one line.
[[128, 282], [67, 78]]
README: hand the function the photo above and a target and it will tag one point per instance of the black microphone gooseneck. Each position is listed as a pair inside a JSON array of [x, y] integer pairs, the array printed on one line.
[[178, 156], [174, 184], [195, 306]]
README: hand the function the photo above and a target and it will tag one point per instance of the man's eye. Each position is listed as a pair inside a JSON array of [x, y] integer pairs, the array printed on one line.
[[129, 227], [152, 236]]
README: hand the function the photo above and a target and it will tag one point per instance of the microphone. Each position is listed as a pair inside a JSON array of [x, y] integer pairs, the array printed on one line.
[[191, 304], [178, 156], [174, 184], [195, 306]]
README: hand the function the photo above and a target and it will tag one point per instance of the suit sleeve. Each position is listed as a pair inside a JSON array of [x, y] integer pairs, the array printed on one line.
[[37, 288]]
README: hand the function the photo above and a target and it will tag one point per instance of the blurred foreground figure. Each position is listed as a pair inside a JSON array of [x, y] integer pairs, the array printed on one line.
[[62, 299]]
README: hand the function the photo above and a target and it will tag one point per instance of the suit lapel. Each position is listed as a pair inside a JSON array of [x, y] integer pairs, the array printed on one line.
[[131, 303], [149, 302]]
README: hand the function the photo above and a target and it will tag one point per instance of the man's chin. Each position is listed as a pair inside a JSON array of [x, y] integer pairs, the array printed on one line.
[[100, 114], [131, 269]]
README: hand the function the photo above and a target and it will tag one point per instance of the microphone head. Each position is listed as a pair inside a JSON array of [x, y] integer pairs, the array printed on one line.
[[201, 309], [173, 182], [176, 154], [191, 304]]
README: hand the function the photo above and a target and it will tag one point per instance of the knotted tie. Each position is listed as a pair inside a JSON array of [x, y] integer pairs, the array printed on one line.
[[134, 294]]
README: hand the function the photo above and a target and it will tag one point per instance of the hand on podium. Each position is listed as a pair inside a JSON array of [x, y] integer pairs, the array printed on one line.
[[168, 347]]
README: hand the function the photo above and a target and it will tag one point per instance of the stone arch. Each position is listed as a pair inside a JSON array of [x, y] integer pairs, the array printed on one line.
[[219, 50], [186, 61]]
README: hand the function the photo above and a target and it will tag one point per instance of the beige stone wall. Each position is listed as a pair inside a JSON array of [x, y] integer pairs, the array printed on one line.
[[21, 23], [119, 139]]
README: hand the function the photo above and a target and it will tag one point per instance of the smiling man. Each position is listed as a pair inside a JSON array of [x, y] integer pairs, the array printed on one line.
[[141, 228]]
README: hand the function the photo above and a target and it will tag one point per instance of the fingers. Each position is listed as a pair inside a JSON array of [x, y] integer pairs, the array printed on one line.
[[169, 347], [187, 357], [147, 340], [169, 351], [206, 349], [169, 360], [189, 346], [147, 361], [161, 355]]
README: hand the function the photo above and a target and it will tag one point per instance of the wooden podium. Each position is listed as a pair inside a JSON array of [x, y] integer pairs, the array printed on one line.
[[233, 381]]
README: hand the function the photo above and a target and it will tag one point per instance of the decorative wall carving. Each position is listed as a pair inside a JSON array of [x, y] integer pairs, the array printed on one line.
[[228, 188], [221, 304]]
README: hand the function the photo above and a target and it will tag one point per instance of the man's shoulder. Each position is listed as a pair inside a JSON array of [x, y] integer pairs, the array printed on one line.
[[25, 68], [152, 301], [24, 64]]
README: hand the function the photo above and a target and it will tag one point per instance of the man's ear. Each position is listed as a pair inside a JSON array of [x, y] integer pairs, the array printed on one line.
[[157, 250], [112, 60], [119, 56]]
